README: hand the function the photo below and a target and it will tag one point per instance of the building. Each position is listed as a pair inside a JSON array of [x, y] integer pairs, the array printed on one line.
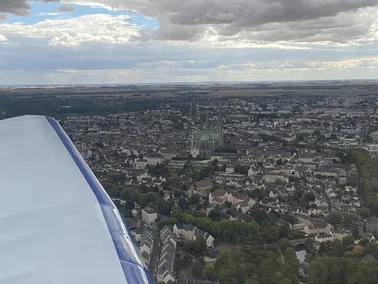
[[318, 228], [149, 215], [204, 143], [165, 270], [202, 187], [194, 110], [154, 158], [190, 232], [146, 245], [242, 202], [141, 164], [306, 157]]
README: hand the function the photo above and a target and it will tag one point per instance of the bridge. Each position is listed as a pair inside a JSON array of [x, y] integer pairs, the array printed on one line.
[[300, 242]]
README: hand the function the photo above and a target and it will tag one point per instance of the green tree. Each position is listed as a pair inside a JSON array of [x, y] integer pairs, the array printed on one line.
[[215, 215], [225, 277], [318, 273], [283, 244], [334, 219], [347, 241], [182, 203], [197, 267], [250, 281], [364, 213], [284, 231], [183, 262], [194, 199], [355, 233], [199, 246]]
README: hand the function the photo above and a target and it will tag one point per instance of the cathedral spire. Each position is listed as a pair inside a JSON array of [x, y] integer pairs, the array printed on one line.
[[207, 128], [220, 128]]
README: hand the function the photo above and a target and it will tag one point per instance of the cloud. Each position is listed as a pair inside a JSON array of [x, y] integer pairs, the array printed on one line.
[[65, 9], [18, 7], [47, 14], [3, 38], [242, 22], [260, 21], [100, 28]]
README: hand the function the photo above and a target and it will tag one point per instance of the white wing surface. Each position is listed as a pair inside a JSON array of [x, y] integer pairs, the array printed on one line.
[[57, 224]]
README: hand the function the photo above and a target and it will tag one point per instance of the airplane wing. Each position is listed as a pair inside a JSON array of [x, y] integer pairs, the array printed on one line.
[[57, 224]]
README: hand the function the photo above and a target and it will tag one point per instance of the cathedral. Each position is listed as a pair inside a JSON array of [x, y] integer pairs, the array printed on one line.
[[204, 143]]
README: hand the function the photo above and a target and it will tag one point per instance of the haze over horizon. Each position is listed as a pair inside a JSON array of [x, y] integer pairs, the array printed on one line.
[[156, 41]]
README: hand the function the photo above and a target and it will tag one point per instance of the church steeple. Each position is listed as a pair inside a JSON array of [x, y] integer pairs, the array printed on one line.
[[207, 127], [220, 128]]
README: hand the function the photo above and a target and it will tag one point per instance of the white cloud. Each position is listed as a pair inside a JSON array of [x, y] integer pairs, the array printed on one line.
[[99, 28], [3, 38], [48, 14]]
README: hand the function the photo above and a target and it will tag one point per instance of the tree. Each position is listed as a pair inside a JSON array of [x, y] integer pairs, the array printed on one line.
[[215, 215], [225, 277], [284, 231], [283, 244], [334, 219], [355, 233], [183, 262], [194, 199], [364, 242], [197, 267], [364, 228], [372, 248], [347, 241], [250, 281], [182, 203], [364, 213], [199, 246], [318, 273]]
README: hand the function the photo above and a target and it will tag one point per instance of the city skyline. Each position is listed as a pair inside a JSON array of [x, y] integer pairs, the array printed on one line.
[[121, 42]]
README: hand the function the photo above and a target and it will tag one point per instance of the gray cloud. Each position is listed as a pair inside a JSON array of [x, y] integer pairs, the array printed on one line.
[[255, 20], [246, 13], [3, 17], [17, 7], [65, 8]]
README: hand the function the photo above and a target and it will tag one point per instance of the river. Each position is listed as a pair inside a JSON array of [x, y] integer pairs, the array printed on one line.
[[301, 255]]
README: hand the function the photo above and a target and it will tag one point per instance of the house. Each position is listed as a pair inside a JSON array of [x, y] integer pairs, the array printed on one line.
[[324, 238], [230, 169], [202, 187], [240, 201], [141, 164], [222, 178], [165, 269], [190, 232], [350, 189], [272, 177], [146, 245], [149, 215], [154, 159], [318, 228], [306, 157]]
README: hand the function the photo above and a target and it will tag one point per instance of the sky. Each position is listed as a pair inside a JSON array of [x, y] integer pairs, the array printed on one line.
[[156, 41]]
